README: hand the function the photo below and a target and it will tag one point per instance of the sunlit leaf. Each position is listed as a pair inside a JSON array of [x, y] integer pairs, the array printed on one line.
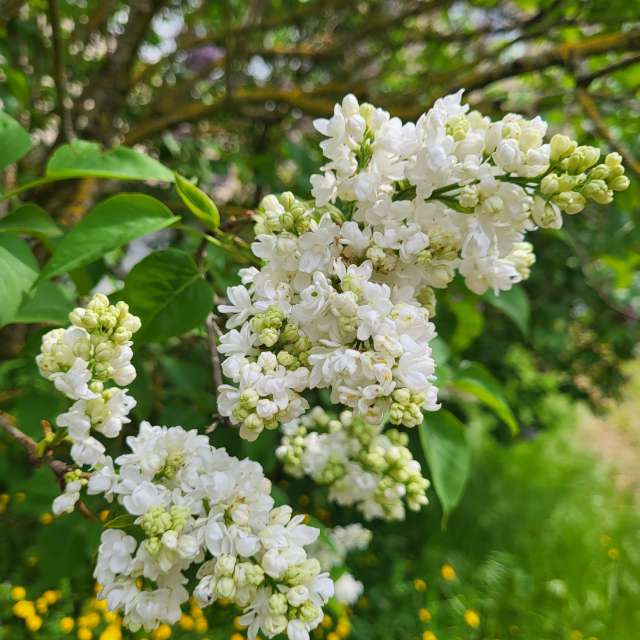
[[109, 225], [18, 272], [14, 140], [198, 202]]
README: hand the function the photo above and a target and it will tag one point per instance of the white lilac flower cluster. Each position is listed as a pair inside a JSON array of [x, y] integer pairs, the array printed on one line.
[[85, 362], [361, 465], [185, 505], [195, 506], [333, 551], [346, 292]]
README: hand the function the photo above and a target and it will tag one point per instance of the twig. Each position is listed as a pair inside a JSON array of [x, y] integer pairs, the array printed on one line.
[[66, 126], [593, 113], [214, 332], [58, 467], [586, 79]]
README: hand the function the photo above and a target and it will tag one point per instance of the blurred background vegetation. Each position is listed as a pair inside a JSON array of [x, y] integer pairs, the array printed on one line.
[[545, 542]]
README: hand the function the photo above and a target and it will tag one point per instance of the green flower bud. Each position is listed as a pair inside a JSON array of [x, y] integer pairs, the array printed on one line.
[[598, 191], [249, 399], [309, 611], [550, 184], [156, 521], [599, 172], [570, 202], [613, 160], [286, 359], [619, 183], [277, 604], [561, 146], [290, 333], [152, 546], [225, 587], [268, 337], [403, 396]]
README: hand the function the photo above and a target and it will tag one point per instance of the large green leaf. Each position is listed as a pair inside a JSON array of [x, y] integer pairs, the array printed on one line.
[[88, 159], [110, 224], [446, 449], [169, 294], [30, 219], [198, 202], [18, 272], [47, 304], [14, 141], [514, 303], [474, 379]]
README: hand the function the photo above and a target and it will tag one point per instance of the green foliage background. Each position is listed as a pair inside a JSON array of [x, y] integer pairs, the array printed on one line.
[[224, 92]]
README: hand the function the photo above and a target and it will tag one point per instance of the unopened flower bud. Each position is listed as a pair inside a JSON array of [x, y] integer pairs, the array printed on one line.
[[561, 146], [619, 183]]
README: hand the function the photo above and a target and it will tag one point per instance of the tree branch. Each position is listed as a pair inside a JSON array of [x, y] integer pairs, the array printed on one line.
[[66, 125], [213, 332], [593, 113], [58, 467], [554, 56], [585, 80]]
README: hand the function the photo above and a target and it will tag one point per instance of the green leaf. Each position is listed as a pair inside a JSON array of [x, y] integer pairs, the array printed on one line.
[[18, 272], [81, 159], [469, 321], [473, 379], [198, 202], [120, 522], [444, 442], [14, 140], [110, 224], [168, 293], [514, 303], [30, 219], [48, 304]]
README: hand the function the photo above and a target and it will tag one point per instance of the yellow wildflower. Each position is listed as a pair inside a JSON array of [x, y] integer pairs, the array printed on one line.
[[89, 620], [162, 632], [332, 635], [111, 632], [613, 553], [66, 624], [46, 518], [18, 593], [24, 609], [327, 621], [424, 615], [41, 605], [84, 633], [472, 618], [343, 628], [419, 584], [110, 617], [186, 622], [448, 572], [33, 623], [51, 596], [201, 625], [236, 636], [429, 635]]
